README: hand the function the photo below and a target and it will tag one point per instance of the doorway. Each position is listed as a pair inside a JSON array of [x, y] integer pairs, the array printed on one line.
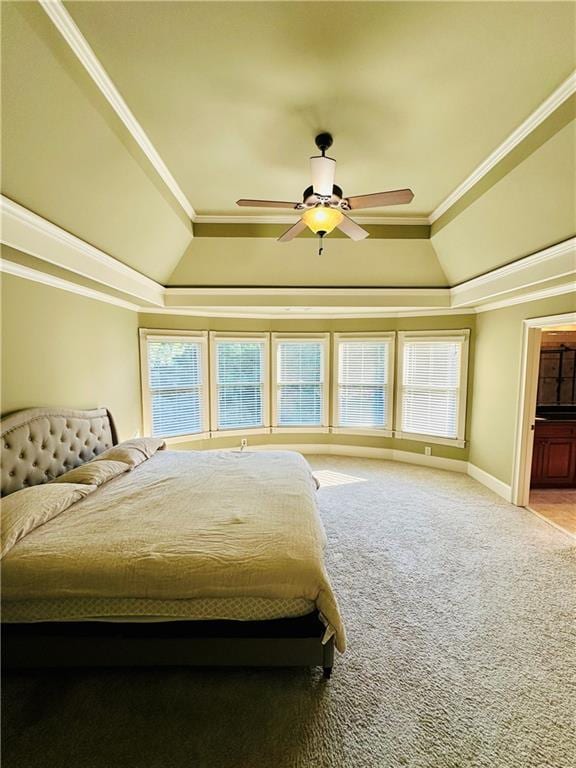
[[545, 457]]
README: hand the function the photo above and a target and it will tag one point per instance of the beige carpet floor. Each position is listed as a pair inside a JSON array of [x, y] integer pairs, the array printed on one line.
[[460, 615]]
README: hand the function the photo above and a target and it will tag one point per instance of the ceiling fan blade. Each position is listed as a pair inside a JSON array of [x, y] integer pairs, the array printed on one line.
[[378, 199], [293, 232], [323, 170], [266, 204], [353, 230]]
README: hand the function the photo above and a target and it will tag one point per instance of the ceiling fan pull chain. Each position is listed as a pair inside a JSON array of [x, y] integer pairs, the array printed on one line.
[[321, 245]]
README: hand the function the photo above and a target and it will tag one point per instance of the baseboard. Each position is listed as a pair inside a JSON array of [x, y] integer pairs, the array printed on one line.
[[438, 462], [364, 452], [357, 451], [503, 490]]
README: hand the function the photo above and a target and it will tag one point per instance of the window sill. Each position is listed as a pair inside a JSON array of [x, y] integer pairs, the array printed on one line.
[[454, 442], [300, 430], [239, 432], [366, 431], [175, 439]]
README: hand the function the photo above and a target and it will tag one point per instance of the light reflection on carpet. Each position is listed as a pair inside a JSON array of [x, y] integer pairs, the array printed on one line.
[[327, 477]]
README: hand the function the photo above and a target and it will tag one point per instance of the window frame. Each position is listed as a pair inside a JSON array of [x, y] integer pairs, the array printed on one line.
[[215, 337], [461, 336], [367, 336], [324, 339], [148, 334]]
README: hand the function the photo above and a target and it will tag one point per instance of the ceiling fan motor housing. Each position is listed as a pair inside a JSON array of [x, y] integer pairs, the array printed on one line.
[[311, 199]]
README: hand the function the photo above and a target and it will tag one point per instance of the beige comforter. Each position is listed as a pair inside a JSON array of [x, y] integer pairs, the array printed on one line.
[[185, 525]]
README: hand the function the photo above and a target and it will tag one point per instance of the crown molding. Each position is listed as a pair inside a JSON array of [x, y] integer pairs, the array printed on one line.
[[27, 232], [307, 291], [28, 273], [290, 219], [65, 24], [545, 293], [554, 262], [560, 95], [306, 313]]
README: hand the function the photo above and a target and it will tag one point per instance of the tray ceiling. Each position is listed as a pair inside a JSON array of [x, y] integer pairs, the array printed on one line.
[[231, 94], [416, 94]]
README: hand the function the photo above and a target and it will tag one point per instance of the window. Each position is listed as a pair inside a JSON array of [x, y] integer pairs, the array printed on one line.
[[432, 381], [300, 374], [363, 382], [174, 376], [239, 382]]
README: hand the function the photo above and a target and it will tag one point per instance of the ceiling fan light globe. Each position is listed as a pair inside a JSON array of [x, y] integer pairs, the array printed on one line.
[[322, 219]]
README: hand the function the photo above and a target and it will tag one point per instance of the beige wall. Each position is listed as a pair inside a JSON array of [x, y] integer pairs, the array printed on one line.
[[451, 322], [497, 382], [66, 350]]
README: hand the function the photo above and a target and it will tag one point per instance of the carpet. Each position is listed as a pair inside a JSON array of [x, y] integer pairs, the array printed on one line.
[[460, 616]]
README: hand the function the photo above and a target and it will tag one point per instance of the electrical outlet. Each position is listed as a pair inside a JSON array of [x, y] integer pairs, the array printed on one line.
[[243, 443], [427, 451]]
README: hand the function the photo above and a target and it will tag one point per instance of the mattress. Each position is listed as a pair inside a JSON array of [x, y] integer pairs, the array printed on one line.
[[144, 609]]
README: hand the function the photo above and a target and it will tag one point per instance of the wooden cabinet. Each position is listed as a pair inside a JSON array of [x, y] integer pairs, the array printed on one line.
[[554, 456]]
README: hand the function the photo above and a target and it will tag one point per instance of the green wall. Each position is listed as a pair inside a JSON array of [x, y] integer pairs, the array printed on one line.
[[65, 350], [448, 322], [497, 381]]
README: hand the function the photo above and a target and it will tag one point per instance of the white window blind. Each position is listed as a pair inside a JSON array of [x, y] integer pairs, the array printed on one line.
[[363, 384], [300, 391], [175, 385], [240, 377], [430, 388]]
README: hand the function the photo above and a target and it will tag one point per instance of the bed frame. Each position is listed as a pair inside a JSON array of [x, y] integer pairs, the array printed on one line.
[[38, 445]]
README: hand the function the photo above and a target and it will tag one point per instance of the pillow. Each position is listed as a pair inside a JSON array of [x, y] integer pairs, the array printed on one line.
[[25, 510], [94, 472], [133, 452]]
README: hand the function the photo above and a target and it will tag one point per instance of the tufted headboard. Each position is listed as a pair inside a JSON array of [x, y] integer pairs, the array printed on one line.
[[39, 444]]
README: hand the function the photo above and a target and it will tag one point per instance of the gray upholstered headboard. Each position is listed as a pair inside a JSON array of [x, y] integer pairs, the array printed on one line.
[[39, 444]]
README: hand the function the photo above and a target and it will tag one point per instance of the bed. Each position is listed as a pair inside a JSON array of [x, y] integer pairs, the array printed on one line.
[[157, 557]]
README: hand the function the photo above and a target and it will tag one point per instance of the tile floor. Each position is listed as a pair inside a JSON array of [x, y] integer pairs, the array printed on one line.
[[557, 506]]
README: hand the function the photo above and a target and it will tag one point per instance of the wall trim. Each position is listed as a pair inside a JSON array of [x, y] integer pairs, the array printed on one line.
[[560, 258], [545, 293], [491, 482], [28, 273], [306, 291], [365, 452], [526, 406], [30, 233], [555, 100], [566, 318], [27, 232], [311, 313], [73, 36], [546, 254]]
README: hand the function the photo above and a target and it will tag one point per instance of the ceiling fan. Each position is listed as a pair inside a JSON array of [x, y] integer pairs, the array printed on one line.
[[323, 205]]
